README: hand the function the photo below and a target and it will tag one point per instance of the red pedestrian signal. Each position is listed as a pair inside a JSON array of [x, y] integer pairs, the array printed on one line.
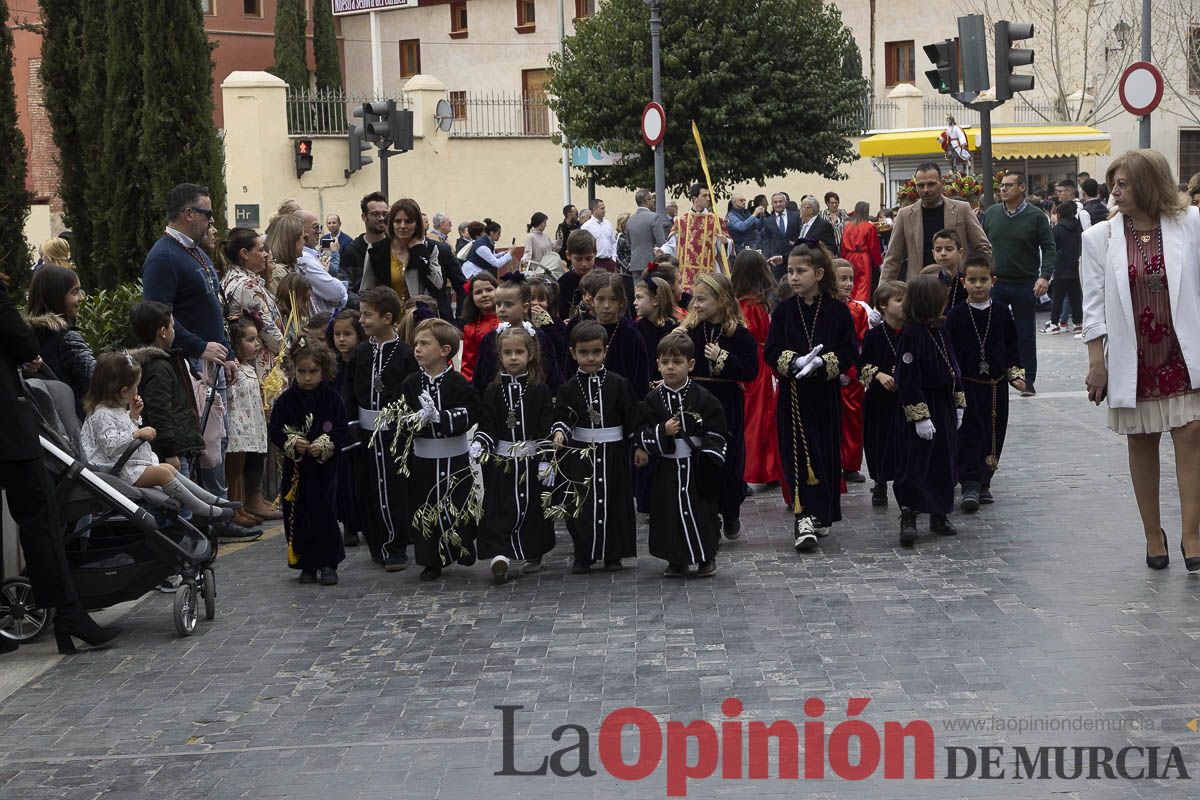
[[304, 158]]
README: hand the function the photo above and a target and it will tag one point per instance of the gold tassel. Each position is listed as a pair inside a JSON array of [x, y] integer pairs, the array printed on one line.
[[294, 488], [293, 560], [812, 476]]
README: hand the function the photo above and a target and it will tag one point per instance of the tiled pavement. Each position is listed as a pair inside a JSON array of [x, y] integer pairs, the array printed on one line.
[[384, 687]]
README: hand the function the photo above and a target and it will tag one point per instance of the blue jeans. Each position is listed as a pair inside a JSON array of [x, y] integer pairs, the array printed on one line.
[[1018, 296], [213, 479]]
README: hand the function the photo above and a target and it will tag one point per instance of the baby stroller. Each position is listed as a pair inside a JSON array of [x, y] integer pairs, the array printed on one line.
[[129, 541]]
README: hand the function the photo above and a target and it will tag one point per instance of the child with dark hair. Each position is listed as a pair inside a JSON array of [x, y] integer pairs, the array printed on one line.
[[811, 343], [948, 255], [543, 313], [604, 294], [932, 402], [439, 463], [55, 298], [166, 385], [581, 257], [514, 420], [984, 338], [479, 318], [308, 423], [342, 335], [654, 304], [245, 421], [598, 407], [375, 374], [684, 424], [1066, 290], [754, 286], [852, 390], [877, 373], [513, 308], [668, 269]]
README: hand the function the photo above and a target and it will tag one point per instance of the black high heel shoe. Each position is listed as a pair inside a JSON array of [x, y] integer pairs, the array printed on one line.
[[1191, 562], [1161, 562], [73, 621]]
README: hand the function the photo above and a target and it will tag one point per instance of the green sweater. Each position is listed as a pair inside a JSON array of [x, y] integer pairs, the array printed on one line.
[[1016, 242]]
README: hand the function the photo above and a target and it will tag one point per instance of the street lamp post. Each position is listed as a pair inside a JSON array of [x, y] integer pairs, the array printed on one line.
[[660, 164], [1144, 126]]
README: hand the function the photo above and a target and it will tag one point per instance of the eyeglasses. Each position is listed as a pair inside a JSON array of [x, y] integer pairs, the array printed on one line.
[[1009, 185], [205, 211]]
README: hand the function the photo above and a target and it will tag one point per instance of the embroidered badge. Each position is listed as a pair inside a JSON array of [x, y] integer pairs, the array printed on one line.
[[907, 358]]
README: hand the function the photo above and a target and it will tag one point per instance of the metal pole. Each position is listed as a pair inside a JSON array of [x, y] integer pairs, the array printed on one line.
[[660, 162], [1144, 126], [566, 150], [383, 171], [376, 57], [985, 156], [591, 186]]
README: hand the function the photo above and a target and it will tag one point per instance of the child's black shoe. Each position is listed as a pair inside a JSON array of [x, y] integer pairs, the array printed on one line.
[[613, 565], [431, 574], [675, 571], [908, 526], [327, 577], [707, 569], [581, 568], [307, 576], [938, 523], [879, 494]]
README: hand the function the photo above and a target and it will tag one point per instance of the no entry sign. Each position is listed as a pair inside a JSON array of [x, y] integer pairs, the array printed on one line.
[[1141, 88], [654, 123]]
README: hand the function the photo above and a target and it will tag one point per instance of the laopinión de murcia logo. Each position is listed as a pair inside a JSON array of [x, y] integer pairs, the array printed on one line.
[[852, 750]]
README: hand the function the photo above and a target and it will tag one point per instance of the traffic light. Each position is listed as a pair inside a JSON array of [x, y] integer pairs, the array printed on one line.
[[304, 157], [1008, 57], [377, 119], [401, 127], [358, 145], [944, 55]]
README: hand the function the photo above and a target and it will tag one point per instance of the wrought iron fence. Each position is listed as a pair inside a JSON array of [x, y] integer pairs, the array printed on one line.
[[872, 114], [501, 114], [936, 111], [328, 112], [1036, 113]]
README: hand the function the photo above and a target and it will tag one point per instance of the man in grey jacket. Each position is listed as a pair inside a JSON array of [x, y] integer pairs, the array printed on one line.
[[645, 232]]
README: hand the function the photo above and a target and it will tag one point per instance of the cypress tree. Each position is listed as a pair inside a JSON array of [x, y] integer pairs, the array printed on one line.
[[325, 50], [291, 51], [180, 144], [61, 68], [97, 196], [14, 199], [129, 224]]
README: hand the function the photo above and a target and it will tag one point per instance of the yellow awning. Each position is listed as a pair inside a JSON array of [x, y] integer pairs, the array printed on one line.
[[1027, 141]]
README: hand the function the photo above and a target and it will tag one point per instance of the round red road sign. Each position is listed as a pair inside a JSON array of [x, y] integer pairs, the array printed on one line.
[[1141, 88], [654, 123]]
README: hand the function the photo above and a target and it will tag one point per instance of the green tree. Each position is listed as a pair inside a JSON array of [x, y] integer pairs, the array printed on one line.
[[14, 199], [97, 197], [62, 80], [325, 49], [291, 48], [766, 102], [126, 225], [180, 144]]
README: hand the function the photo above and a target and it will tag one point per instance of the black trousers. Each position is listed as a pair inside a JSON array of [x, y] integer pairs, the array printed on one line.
[[1066, 290], [31, 500]]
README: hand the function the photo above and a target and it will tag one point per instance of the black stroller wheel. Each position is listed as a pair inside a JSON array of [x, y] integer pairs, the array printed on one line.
[[209, 590], [20, 618], [186, 612]]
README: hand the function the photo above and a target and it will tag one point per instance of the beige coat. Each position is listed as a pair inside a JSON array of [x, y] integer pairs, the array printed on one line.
[[908, 236]]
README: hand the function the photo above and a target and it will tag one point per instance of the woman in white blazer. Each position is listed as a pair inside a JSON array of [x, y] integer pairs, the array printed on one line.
[[1141, 320]]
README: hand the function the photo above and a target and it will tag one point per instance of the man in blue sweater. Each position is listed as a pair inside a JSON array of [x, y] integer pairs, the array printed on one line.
[[179, 274]]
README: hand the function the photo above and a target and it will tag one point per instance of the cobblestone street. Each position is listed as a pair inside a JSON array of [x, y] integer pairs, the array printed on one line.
[[1041, 609]]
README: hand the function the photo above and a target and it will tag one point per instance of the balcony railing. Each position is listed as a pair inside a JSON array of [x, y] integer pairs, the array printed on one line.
[[1022, 113], [327, 112], [501, 114]]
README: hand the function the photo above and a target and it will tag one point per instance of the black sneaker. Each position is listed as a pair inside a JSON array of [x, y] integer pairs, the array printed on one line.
[[231, 533], [853, 476], [396, 562], [970, 499], [307, 576], [707, 568], [908, 527], [733, 528], [327, 577], [431, 574], [938, 523], [613, 565], [675, 571], [806, 535], [985, 496], [879, 494]]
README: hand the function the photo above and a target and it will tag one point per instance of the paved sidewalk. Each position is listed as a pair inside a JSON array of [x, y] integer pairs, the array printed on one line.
[[1040, 612]]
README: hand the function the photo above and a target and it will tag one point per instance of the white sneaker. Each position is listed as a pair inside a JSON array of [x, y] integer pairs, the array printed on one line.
[[1049, 327], [806, 536], [500, 569], [1054, 329], [1079, 336]]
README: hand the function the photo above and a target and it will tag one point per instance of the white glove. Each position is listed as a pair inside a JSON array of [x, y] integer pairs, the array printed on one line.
[[800, 362], [874, 318], [959, 413], [429, 412], [546, 473], [925, 429], [844, 379], [810, 367], [475, 451]]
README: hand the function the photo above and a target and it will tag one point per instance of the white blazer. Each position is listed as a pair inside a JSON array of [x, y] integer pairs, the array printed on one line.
[[1108, 308]]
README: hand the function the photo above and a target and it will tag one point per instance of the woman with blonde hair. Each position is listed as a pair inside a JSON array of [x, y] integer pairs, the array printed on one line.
[[56, 252], [285, 243], [1140, 273]]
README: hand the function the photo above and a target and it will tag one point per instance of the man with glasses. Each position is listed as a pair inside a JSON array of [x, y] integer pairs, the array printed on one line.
[[1022, 260], [328, 293], [178, 273], [374, 209], [915, 225]]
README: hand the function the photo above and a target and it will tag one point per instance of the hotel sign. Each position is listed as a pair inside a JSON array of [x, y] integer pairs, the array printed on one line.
[[341, 7]]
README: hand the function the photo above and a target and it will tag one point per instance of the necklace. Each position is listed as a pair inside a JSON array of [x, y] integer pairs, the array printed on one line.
[[808, 334], [984, 369], [665, 393], [940, 343], [593, 405], [887, 337], [377, 375], [511, 420], [1152, 267]]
